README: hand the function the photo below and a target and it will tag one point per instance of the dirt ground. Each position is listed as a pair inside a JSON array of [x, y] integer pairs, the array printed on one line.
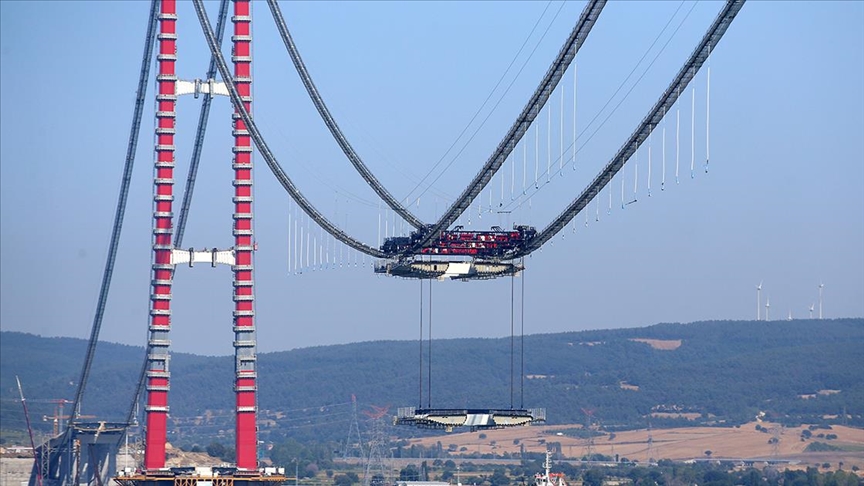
[[14, 470], [743, 442]]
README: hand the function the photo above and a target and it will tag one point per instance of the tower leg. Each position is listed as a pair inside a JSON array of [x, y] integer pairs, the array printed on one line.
[[162, 274], [244, 309]]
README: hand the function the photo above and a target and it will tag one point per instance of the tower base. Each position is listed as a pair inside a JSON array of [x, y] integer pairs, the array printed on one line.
[[202, 476]]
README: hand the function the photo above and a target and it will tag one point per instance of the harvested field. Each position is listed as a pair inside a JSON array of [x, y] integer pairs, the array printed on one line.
[[684, 443], [662, 344]]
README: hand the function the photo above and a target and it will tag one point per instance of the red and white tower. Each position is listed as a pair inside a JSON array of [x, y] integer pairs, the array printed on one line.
[[165, 256], [244, 303], [162, 275]]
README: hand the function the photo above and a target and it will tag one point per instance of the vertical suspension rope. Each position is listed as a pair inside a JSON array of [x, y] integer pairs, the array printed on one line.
[[622, 190], [609, 190], [677, 135], [663, 180], [524, 167], [536, 155], [501, 176], [289, 236], [561, 136], [490, 198], [549, 143], [636, 176], [649, 162], [693, 132], [708, 110], [512, 175], [575, 72]]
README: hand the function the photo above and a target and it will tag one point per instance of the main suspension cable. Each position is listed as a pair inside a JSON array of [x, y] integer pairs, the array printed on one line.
[[340, 138], [668, 98], [577, 37], [272, 163], [190, 182], [120, 211]]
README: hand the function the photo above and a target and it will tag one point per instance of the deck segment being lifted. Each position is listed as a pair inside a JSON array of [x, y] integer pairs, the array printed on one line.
[[443, 269], [488, 250], [474, 419]]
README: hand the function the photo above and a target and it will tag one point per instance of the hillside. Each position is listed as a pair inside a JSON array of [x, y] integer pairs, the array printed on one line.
[[706, 373]]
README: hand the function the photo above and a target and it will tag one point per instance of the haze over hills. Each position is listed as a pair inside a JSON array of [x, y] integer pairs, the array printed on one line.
[[705, 373]]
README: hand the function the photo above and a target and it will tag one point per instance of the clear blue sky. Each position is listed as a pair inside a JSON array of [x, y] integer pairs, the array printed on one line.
[[783, 201]]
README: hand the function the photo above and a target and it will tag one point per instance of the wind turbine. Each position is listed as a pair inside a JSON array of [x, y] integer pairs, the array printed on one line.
[[821, 286], [811, 310], [767, 307], [759, 301]]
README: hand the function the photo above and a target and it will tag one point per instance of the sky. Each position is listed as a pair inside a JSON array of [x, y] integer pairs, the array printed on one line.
[[781, 116]]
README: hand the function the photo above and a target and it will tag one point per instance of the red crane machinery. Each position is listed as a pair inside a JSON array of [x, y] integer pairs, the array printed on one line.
[[30, 432]]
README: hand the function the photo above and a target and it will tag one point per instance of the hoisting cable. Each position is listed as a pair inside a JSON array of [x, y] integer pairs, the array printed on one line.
[[203, 117], [420, 403], [668, 98], [190, 180], [143, 78], [522, 341], [429, 377], [272, 163], [512, 339], [523, 122], [346, 147]]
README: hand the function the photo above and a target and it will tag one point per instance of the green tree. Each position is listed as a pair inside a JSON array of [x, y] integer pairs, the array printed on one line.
[[343, 480], [499, 478], [215, 449], [593, 477], [409, 473]]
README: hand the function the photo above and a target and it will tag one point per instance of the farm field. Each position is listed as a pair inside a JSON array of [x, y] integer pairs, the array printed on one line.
[[744, 442]]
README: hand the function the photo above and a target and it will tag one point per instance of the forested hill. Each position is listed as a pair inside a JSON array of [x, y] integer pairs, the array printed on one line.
[[715, 372]]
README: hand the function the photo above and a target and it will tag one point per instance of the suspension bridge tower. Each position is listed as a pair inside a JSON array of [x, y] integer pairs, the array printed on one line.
[[166, 257]]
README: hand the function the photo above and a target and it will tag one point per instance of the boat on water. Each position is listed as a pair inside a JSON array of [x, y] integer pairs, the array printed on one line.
[[548, 478]]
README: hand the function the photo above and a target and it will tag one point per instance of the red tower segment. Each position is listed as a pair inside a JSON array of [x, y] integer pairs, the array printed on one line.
[[244, 309], [162, 274]]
